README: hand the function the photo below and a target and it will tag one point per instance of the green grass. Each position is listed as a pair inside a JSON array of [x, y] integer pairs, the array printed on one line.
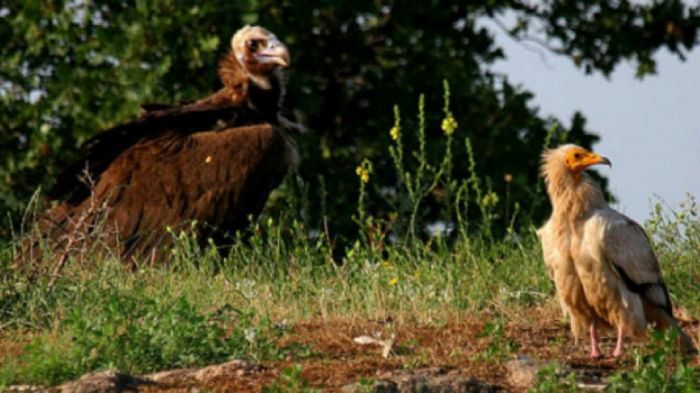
[[204, 307]]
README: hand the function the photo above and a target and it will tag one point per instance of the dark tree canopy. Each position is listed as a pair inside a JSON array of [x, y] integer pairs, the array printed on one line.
[[71, 68]]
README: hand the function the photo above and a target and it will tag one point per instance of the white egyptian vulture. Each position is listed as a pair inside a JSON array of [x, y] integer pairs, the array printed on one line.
[[603, 266], [567, 284]]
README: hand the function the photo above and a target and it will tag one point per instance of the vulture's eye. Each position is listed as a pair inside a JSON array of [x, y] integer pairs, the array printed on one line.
[[252, 44], [255, 44], [577, 156]]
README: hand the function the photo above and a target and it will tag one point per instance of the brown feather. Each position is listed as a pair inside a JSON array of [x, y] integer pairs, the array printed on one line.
[[214, 161]]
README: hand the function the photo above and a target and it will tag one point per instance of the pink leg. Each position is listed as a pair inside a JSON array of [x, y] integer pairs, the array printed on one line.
[[618, 347], [595, 350]]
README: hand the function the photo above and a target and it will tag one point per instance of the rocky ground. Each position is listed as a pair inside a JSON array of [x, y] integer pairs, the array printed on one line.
[[461, 355]]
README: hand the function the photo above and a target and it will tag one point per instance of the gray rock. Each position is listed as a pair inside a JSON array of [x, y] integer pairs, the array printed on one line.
[[446, 384], [522, 372], [172, 377], [109, 381], [376, 387], [429, 380], [23, 389], [233, 368]]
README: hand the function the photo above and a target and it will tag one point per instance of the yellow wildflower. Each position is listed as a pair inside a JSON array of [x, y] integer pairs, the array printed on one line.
[[395, 133], [490, 199], [362, 173], [393, 281], [449, 125]]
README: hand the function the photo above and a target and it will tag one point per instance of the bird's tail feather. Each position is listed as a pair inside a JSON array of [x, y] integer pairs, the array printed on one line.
[[663, 321]]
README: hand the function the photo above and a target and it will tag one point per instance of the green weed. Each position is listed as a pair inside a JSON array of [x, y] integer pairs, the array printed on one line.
[[290, 381], [500, 347], [550, 380], [134, 332], [658, 368]]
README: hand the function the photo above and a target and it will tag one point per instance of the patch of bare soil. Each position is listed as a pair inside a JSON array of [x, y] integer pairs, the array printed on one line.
[[464, 354]]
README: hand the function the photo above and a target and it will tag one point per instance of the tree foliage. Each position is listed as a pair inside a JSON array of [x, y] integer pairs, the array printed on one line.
[[69, 68]]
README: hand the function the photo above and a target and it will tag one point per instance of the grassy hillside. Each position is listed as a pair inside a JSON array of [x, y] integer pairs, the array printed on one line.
[[274, 296]]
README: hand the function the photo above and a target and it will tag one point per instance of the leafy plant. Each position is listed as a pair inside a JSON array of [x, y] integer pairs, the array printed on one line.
[[500, 346], [137, 333], [47, 361], [658, 368], [550, 380], [290, 381]]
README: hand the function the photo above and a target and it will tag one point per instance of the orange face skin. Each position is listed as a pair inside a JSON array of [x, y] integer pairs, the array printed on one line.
[[578, 159]]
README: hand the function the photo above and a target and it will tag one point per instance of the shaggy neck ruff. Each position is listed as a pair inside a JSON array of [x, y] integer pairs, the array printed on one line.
[[573, 195]]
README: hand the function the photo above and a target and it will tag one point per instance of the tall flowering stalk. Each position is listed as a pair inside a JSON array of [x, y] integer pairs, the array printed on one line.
[[449, 125], [363, 172], [420, 183]]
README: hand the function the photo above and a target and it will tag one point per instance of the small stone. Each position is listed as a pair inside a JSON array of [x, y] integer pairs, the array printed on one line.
[[522, 372], [592, 387], [172, 377], [23, 388], [377, 387], [234, 367], [103, 382]]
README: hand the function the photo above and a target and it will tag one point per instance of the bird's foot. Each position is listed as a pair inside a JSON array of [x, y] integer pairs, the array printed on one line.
[[595, 350], [618, 345], [617, 352]]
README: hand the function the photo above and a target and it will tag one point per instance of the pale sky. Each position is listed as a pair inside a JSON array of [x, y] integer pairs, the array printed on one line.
[[649, 128]]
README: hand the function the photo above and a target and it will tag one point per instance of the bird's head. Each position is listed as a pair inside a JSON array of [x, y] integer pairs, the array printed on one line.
[[259, 51], [577, 159]]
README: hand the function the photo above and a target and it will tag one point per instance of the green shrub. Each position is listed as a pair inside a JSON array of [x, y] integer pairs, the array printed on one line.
[[133, 332], [658, 368]]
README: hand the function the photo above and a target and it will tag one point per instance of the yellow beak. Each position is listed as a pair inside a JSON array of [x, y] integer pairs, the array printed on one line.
[[595, 159]]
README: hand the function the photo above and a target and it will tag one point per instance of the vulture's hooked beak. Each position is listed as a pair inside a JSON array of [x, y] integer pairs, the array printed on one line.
[[274, 53], [595, 159]]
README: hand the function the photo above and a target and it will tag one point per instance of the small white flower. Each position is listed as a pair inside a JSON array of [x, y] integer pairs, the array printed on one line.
[[250, 335]]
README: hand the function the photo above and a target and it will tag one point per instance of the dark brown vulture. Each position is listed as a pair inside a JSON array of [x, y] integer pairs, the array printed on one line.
[[214, 161]]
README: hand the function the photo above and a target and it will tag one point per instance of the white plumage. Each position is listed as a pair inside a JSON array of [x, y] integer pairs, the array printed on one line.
[[568, 286], [601, 261]]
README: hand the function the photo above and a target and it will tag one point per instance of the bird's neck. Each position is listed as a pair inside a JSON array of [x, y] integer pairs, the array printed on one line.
[[266, 93], [263, 93], [574, 196], [232, 74]]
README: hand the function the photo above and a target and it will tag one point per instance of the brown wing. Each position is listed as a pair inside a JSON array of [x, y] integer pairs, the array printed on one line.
[[100, 151], [217, 178]]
